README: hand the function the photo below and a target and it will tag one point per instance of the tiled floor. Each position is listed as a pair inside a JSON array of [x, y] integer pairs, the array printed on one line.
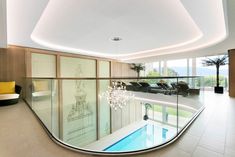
[[211, 135]]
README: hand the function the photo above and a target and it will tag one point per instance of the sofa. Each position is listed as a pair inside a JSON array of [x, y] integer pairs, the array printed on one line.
[[9, 93]]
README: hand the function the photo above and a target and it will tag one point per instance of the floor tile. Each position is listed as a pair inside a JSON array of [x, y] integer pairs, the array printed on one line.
[[175, 153], [212, 143], [211, 135], [229, 152], [188, 143], [202, 152]]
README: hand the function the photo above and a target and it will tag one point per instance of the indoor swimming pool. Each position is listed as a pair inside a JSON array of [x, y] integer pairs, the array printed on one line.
[[148, 136], [111, 120]]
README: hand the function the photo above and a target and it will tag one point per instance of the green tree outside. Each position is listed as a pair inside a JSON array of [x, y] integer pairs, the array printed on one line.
[[210, 81]]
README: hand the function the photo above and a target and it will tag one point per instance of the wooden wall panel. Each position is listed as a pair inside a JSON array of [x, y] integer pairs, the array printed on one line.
[[15, 64], [116, 70], [232, 73], [3, 53], [12, 65], [119, 69], [28, 63]]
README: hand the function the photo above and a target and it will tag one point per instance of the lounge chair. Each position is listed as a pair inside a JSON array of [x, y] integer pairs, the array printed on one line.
[[148, 88], [145, 87], [137, 86], [168, 90], [127, 86], [183, 89]]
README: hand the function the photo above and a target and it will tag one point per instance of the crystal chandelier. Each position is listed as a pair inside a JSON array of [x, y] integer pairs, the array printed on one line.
[[117, 96]]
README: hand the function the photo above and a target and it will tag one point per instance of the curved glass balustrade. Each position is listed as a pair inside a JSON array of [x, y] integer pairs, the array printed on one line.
[[78, 117]]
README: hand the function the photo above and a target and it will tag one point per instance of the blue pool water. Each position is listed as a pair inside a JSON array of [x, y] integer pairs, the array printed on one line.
[[145, 137]]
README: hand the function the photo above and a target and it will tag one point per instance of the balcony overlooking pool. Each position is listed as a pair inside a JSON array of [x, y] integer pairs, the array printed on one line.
[[78, 114]]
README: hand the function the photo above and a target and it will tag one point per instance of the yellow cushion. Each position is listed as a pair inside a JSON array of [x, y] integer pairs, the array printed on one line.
[[40, 86], [7, 87]]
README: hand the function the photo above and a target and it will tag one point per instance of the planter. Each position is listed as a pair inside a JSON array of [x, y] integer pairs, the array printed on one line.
[[146, 117], [219, 90]]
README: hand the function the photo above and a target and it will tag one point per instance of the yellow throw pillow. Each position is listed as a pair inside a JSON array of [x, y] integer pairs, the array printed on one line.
[[40, 86], [7, 87]]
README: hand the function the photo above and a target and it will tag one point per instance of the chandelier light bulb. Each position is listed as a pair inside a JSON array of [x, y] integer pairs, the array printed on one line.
[[117, 96]]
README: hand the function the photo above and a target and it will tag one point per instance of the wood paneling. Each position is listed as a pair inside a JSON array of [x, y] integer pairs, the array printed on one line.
[[28, 63], [119, 69], [12, 65], [232, 73], [15, 64]]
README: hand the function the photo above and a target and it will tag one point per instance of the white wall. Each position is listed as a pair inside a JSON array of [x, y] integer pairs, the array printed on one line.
[[3, 24], [128, 114]]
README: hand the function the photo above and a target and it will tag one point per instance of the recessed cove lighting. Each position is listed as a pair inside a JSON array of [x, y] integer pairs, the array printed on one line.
[[138, 28], [116, 39]]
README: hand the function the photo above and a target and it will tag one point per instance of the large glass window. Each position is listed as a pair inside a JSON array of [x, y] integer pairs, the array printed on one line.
[[209, 73], [177, 67], [152, 69], [167, 68], [189, 67]]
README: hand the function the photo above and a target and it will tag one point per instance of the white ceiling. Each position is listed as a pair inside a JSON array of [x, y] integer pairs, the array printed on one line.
[[22, 16], [219, 48], [149, 29], [88, 26]]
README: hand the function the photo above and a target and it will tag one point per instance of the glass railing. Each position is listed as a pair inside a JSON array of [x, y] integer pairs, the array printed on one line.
[[210, 82], [150, 112]]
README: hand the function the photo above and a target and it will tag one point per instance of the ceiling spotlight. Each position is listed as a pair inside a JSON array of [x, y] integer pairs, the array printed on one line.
[[116, 39]]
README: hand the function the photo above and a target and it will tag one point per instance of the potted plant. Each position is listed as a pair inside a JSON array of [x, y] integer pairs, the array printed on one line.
[[137, 67], [147, 107], [219, 61]]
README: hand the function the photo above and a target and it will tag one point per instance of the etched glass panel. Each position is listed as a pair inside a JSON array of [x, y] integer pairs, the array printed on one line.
[[43, 65], [77, 67]]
